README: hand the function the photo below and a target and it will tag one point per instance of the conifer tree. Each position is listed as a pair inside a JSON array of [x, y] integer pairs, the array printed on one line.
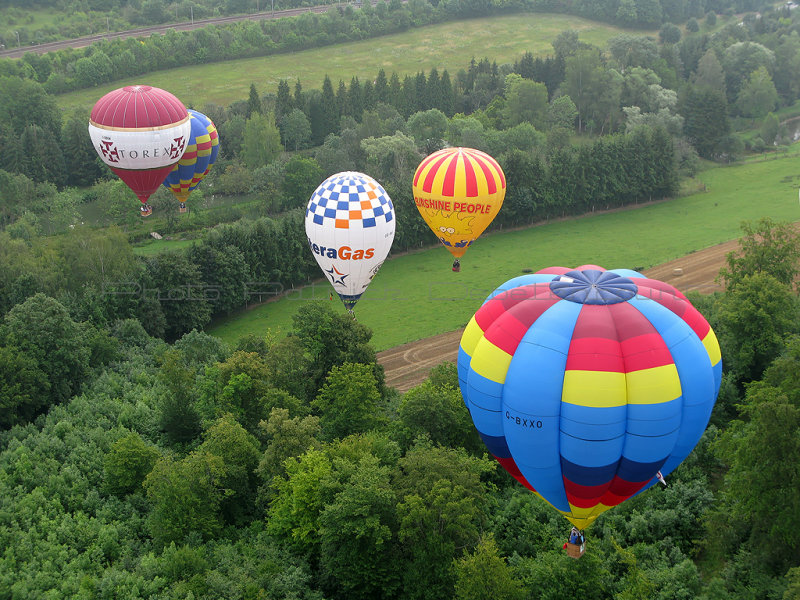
[[253, 102], [381, 87], [283, 100], [330, 110], [355, 97]]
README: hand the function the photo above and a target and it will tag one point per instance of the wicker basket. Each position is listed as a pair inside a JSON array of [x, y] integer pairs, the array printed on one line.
[[575, 551]]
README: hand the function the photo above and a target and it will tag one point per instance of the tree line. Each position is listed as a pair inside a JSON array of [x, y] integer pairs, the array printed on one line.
[[284, 467], [98, 274], [108, 61]]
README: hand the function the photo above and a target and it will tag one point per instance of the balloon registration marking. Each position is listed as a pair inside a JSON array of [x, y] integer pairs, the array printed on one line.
[[585, 383]]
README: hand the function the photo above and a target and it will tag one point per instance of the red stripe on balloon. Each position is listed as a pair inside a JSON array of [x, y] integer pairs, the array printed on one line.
[[449, 183], [610, 494], [622, 488], [427, 186], [584, 496], [656, 285], [645, 352], [488, 174], [471, 178], [682, 308], [492, 309], [509, 465], [595, 354], [436, 156], [507, 331]]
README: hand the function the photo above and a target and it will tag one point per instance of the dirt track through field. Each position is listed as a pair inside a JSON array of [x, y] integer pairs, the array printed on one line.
[[408, 365]]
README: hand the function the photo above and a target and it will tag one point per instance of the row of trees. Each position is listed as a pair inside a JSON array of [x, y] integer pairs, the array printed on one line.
[[634, 81], [286, 468], [108, 61], [95, 272]]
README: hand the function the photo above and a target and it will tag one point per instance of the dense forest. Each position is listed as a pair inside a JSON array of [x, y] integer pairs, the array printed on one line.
[[285, 468], [143, 458]]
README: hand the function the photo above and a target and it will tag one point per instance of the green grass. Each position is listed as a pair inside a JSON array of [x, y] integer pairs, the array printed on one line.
[[448, 46], [163, 245], [417, 296], [14, 19]]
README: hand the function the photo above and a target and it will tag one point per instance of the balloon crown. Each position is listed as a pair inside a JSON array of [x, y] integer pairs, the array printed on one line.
[[591, 286]]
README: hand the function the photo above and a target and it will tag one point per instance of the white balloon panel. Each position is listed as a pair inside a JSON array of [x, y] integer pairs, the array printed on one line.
[[350, 224], [141, 149]]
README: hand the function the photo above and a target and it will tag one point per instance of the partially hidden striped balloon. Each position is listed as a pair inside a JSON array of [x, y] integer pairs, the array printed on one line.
[[458, 192], [200, 155], [585, 383]]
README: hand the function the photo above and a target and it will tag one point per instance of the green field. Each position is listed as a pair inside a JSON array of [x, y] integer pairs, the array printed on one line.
[[158, 246], [449, 46], [417, 296]]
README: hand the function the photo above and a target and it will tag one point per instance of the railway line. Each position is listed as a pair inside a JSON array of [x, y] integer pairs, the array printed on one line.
[[82, 42]]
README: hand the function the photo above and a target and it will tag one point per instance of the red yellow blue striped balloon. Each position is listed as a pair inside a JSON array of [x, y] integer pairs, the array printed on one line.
[[458, 192], [585, 383], [201, 152]]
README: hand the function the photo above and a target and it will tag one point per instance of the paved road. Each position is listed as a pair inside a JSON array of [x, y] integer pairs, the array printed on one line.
[[148, 31]]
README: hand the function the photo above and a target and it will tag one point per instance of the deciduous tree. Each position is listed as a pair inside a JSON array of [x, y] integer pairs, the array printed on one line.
[[127, 464], [348, 401]]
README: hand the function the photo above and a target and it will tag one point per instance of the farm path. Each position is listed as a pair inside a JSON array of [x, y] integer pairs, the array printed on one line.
[[408, 365]]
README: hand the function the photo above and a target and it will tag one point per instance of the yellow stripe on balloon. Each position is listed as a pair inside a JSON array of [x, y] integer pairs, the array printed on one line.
[[594, 389], [438, 177], [712, 347], [460, 183], [480, 179], [583, 517], [472, 334], [654, 386], [490, 362]]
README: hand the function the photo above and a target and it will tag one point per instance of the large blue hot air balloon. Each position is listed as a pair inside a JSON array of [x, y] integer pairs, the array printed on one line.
[[585, 383]]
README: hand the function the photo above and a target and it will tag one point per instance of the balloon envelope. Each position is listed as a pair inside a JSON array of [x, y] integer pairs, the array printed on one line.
[[350, 226], [140, 132], [197, 160], [458, 192], [585, 383]]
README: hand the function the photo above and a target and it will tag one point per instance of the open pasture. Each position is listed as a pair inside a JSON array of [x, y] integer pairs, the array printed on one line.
[[447, 46], [417, 295]]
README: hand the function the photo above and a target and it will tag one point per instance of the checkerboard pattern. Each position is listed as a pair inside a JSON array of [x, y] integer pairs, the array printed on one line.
[[347, 199]]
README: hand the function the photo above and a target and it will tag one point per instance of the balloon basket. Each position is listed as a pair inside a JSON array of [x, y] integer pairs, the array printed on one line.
[[575, 551], [146, 211], [182, 209]]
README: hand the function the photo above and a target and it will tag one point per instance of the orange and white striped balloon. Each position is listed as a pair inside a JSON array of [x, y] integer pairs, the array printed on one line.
[[459, 191]]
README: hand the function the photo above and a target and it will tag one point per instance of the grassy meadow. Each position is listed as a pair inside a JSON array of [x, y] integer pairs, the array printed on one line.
[[417, 295], [447, 46]]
